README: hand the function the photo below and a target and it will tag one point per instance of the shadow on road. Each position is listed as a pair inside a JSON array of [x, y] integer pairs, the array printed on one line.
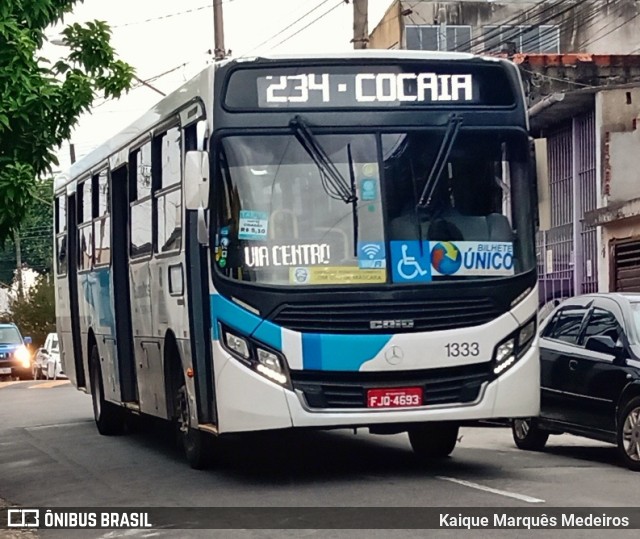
[[605, 454], [278, 457]]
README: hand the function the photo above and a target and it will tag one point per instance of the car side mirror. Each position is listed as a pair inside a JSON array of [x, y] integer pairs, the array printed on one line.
[[603, 344], [44, 351], [27, 340]]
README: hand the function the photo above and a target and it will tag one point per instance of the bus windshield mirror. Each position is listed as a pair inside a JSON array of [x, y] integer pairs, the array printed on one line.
[[450, 135], [334, 183]]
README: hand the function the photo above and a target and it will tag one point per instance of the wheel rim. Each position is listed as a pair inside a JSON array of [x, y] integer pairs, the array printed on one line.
[[521, 427], [631, 434], [184, 419]]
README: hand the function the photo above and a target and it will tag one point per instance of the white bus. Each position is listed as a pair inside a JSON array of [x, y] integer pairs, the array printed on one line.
[[319, 241]]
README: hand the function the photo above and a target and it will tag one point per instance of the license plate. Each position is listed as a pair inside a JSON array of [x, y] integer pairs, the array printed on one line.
[[397, 397], [5, 371]]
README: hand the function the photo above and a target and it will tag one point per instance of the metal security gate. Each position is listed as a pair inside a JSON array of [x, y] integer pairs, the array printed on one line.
[[567, 263], [555, 246], [626, 265]]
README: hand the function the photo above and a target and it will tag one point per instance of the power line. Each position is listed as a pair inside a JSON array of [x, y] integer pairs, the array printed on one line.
[[280, 32], [614, 30], [310, 24], [497, 31], [171, 15]]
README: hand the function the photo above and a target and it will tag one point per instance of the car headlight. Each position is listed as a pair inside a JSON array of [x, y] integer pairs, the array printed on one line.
[[23, 356], [511, 349], [255, 355]]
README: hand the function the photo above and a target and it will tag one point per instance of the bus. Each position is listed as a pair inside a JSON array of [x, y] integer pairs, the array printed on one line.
[[337, 241]]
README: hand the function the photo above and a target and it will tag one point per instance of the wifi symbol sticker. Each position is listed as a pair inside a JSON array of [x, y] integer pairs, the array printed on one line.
[[371, 255]]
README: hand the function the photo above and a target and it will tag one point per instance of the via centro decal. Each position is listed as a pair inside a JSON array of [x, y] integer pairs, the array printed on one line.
[[448, 258]]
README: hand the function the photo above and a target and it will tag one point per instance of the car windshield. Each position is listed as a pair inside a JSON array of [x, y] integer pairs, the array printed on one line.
[[10, 336], [54, 344], [353, 209]]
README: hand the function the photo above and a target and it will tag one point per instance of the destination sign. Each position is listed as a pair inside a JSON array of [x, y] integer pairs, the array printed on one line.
[[424, 84]]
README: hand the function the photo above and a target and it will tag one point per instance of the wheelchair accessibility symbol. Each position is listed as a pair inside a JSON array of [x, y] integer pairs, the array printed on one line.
[[409, 263]]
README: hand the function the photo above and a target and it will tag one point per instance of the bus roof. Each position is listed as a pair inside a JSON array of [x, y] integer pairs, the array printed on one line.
[[201, 86]]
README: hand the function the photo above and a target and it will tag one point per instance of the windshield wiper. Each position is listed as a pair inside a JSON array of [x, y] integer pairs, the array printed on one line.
[[333, 182], [450, 135]]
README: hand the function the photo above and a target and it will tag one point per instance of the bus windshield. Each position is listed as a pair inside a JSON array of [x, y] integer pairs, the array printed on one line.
[[280, 223]]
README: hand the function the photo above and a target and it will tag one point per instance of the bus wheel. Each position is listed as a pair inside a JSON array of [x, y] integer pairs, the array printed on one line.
[[527, 435], [109, 417], [434, 440], [198, 445]]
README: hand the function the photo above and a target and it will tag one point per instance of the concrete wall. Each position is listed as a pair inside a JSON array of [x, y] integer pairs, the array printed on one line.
[[594, 26], [388, 33], [620, 144], [618, 167]]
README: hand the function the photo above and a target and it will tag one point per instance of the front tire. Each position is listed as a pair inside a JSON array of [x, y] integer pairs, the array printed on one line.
[[528, 435], [198, 446], [629, 434], [434, 441], [109, 417]]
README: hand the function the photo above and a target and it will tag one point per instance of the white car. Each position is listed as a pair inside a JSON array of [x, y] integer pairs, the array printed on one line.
[[47, 362]]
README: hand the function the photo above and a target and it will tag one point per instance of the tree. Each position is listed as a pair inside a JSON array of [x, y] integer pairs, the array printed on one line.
[[34, 313], [36, 236], [42, 102]]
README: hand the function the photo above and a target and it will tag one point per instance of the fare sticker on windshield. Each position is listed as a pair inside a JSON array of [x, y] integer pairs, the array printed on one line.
[[254, 225], [335, 275]]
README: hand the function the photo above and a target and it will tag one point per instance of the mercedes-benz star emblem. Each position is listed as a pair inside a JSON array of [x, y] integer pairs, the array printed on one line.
[[394, 355]]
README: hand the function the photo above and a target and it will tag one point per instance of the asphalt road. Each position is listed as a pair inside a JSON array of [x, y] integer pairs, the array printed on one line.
[[51, 456]]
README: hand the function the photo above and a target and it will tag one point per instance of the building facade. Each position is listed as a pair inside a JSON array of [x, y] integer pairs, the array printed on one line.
[[516, 26]]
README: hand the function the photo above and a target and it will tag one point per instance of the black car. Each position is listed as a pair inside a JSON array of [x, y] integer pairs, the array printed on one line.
[[590, 375]]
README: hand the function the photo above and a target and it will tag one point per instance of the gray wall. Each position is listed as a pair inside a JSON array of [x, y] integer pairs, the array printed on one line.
[[593, 26]]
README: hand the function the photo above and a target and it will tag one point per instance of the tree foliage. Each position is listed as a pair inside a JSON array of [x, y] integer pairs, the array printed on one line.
[[35, 313], [42, 102], [36, 236]]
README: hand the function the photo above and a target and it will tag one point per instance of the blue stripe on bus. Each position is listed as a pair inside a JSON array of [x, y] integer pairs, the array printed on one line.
[[325, 352], [320, 351], [247, 323], [270, 334]]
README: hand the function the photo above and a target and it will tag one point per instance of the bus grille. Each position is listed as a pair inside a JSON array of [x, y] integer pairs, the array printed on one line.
[[450, 385], [429, 315]]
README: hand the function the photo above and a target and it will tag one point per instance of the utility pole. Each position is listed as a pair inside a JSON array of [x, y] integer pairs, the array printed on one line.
[[218, 31], [360, 24], [72, 152], [16, 242]]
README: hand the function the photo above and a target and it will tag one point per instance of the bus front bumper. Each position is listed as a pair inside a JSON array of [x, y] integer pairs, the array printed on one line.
[[247, 401]]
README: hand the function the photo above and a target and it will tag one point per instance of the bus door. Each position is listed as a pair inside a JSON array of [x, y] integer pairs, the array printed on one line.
[[120, 284], [146, 350], [72, 257]]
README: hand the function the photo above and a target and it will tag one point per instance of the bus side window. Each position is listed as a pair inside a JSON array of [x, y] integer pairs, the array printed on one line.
[[85, 226], [61, 234], [168, 193], [141, 229]]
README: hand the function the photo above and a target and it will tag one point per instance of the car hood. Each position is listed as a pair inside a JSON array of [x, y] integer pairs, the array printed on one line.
[[4, 348]]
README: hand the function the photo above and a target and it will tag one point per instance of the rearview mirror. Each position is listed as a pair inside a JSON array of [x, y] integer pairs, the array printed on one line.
[[603, 344], [196, 180]]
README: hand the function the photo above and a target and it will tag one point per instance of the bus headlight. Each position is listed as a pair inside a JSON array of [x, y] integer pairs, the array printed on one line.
[[257, 356], [511, 349], [23, 356]]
